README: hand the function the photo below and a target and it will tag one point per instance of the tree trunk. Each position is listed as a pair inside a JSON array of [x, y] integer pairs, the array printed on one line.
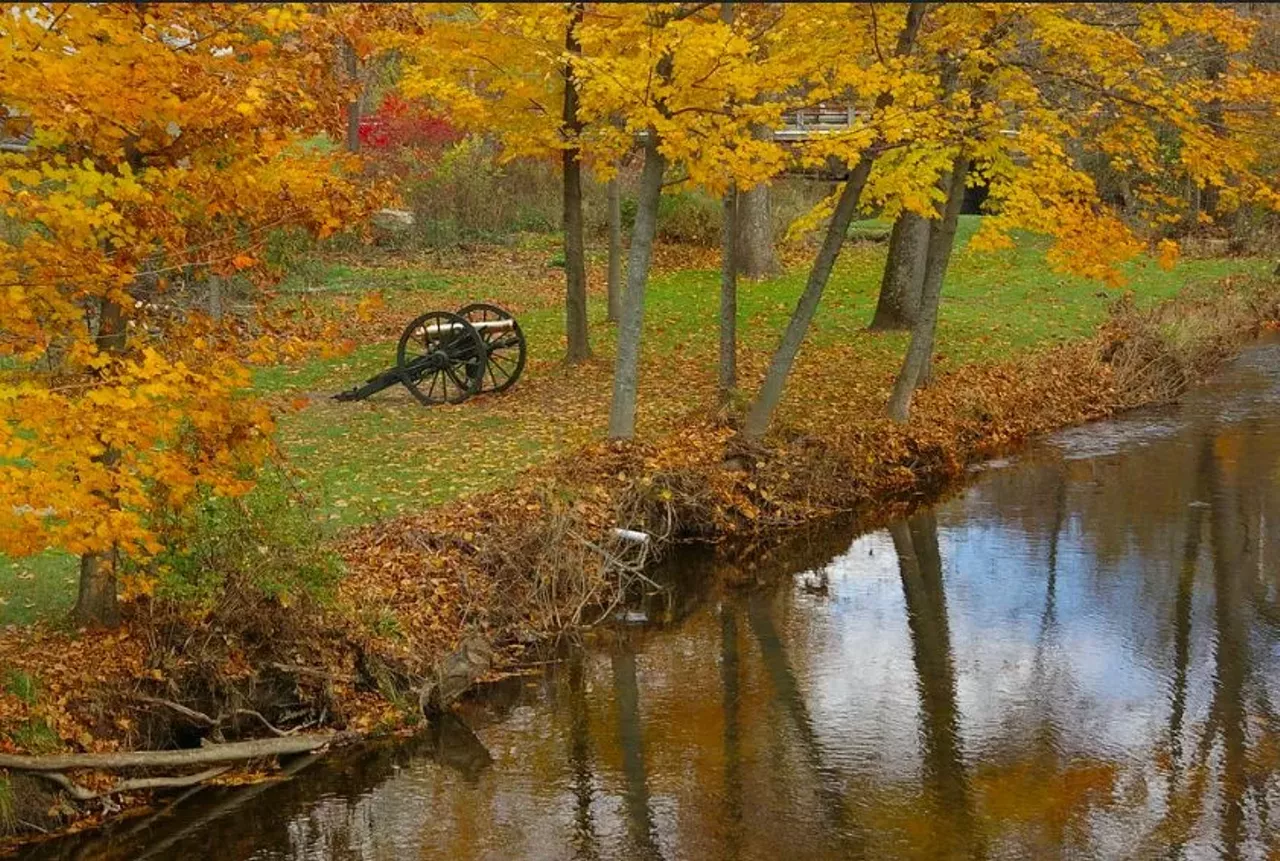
[[622, 411], [575, 267], [96, 603], [770, 394], [729, 244], [1215, 66], [780, 366], [900, 289], [729, 296], [352, 64], [756, 259], [1191, 223], [942, 236], [615, 250], [215, 298]]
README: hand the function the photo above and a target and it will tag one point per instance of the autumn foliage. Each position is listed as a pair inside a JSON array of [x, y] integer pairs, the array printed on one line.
[[167, 140], [399, 122], [166, 148]]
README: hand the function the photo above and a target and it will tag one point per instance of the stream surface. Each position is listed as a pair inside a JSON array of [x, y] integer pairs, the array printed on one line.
[[1078, 656]]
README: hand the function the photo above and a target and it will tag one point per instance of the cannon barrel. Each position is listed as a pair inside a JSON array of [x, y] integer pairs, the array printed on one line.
[[480, 325]]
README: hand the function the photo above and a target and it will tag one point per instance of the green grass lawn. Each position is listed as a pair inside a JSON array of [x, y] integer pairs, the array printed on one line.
[[389, 455]]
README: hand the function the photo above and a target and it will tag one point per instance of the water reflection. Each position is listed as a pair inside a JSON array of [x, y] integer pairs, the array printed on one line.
[[1075, 658], [730, 698], [946, 781]]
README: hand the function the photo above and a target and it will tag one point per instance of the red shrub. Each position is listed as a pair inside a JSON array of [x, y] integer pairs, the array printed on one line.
[[399, 124]]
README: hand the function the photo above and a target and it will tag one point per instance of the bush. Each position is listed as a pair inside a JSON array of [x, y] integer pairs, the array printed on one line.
[[21, 685], [468, 196], [692, 217], [1157, 353], [265, 541]]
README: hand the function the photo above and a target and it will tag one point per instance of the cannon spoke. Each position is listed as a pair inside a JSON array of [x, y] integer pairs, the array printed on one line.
[[504, 345], [443, 347]]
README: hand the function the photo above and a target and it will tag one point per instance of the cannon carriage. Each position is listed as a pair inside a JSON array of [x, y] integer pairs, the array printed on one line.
[[446, 357]]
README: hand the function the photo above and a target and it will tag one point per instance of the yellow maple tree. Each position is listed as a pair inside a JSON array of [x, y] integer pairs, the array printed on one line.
[[164, 143]]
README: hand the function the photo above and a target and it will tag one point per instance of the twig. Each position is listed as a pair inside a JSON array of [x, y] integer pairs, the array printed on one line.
[[274, 729], [198, 717]]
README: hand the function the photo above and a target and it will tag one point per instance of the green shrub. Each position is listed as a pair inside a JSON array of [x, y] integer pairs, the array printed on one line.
[[692, 217], [21, 685], [267, 541], [37, 737]]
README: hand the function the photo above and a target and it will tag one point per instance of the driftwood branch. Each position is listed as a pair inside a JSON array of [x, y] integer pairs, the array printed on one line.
[[169, 782], [80, 793], [234, 752]]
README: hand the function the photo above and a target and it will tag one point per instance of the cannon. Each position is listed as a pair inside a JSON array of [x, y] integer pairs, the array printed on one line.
[[445, 357]]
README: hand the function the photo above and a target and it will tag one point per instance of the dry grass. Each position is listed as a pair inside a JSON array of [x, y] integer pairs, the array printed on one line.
[[1157, 353]]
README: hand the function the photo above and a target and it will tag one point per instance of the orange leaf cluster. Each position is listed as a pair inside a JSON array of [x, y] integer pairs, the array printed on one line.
[[166, 143]]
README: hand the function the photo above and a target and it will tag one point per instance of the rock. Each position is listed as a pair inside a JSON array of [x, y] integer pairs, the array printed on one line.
[[455, 674], [392, 220], [391, 226]]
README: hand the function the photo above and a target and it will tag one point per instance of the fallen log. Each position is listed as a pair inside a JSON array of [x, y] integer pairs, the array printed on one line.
[[233, 752]]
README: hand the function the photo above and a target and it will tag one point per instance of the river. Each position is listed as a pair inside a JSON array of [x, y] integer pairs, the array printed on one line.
[[1077, 656]]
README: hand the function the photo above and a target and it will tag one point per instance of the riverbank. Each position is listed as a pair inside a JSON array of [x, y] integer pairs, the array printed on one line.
[[504, 569]]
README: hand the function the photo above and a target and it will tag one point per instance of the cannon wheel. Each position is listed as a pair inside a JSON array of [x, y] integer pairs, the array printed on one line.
[[505, 350], [441, 358]]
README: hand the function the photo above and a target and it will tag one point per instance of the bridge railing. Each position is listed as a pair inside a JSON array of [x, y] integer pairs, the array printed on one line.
[[802, 123]]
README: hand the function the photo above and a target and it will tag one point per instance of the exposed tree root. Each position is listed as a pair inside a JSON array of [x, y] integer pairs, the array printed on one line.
[[217, 723], [80, 793]]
